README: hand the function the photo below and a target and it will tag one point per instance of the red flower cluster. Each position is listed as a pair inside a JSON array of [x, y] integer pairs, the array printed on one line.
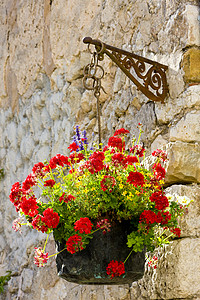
[[161, 154], [153, 262], [135, 178], [130, 160], [176, 231], [107, 183], [115, 268], [159, 171], [29, 206], [58, 160], [83, 225], [161, 201], [163, 217], [73, 147], [28, 183], [76, 157], [49, 182], [95, 163], [121, 131], [39, 223], [104, 225], [116, 142], [50, 219], [74, 243], [66, 198], [38, 169], [148, 216], [40, 257], [137, 150], [15, 195], [118, 159]]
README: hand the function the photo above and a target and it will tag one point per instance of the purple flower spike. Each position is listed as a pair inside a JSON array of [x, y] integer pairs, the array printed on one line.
[[78, 133], [85, 137], [81, 146]]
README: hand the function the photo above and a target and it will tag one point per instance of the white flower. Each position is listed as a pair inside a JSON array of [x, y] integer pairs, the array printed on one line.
[[183, 200], [170, 197]]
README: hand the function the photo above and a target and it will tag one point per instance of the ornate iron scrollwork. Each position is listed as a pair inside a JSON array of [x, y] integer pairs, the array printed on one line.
[[149, 76]]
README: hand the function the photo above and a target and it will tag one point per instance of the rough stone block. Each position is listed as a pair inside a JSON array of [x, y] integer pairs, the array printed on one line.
[[187, 129], [183, 277], [184, 162], [27, 275], [192, 18], [191, 65]]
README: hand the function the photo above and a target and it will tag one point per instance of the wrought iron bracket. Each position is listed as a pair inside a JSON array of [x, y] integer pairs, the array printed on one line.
[[149, 76]]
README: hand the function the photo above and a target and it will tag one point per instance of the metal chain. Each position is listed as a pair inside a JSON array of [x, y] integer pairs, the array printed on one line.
[[93, 73]]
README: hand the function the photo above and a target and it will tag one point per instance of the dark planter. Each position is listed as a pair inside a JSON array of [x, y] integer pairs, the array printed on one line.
[[89, 265]]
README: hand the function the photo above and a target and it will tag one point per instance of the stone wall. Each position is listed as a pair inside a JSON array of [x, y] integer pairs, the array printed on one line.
[[42, 98]]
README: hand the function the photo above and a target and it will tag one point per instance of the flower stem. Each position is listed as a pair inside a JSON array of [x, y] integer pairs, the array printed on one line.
[[168, 237], [128, 256], [46, 242], [57, 252]]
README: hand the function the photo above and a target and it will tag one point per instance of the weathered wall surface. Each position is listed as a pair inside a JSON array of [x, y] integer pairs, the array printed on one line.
[[42, 97]]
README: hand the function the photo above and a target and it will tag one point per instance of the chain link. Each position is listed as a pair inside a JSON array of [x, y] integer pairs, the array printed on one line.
[[93, 73]]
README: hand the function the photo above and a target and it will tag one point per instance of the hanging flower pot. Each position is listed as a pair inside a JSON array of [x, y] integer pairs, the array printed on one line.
[[89, 265], [102, 206]]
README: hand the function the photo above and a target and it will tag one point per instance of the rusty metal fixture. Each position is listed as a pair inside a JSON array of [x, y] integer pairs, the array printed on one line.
[[149, 76]]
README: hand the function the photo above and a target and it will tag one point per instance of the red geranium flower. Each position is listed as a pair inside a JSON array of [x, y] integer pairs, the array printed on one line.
[[161, 201], [29, 206], [166, 217], [76, 157], [159, 171], [29, 182], [74, 243], [131, 160], [49, 182], [59, 160], [160, 154], [83, 225], [38, 169], [136, 178], [66, 198], [115, 268], [121, 131], [73, 147], [40, 257], [39, 224], [118, 158], [138, 150], [104, 225], [148, 216], [117, 142], [51, 218], [176, 231], [95, 163], [16, 194]]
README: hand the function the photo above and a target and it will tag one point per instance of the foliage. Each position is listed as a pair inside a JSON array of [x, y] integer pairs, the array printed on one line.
[[4, 280], [2, 174]]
